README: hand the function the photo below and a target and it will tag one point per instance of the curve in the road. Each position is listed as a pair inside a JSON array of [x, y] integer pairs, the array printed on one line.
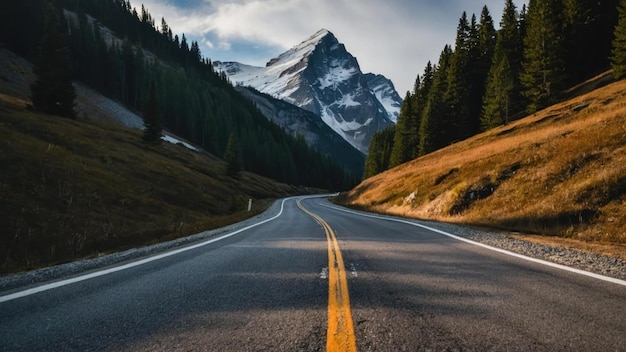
[[61, 283]]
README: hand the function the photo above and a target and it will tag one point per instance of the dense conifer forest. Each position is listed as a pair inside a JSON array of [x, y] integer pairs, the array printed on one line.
[[490, 77], [190, 98]]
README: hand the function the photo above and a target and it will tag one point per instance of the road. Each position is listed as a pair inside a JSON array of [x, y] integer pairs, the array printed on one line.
[[324, 279]]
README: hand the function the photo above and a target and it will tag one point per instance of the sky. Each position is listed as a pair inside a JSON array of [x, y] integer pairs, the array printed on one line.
[[395, 38]]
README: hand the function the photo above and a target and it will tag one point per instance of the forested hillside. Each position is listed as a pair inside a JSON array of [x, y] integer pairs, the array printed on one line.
[[559, 172], [121, 52], [490, 77]]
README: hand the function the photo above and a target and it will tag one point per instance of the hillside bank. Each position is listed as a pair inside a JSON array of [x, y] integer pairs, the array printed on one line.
[[79, 188], [560, 173]]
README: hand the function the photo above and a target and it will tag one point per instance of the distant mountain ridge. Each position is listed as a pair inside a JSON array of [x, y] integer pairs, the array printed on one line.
[[320, 76]]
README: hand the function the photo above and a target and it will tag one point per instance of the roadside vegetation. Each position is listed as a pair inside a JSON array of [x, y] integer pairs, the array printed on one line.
[[72, 187], [559, 172], [491, 77], [120, 52], [78, 188]]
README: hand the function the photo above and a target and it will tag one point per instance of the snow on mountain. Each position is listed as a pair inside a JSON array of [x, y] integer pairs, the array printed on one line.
[[279, 78], [302, 123], [320, 76], [386, 93]]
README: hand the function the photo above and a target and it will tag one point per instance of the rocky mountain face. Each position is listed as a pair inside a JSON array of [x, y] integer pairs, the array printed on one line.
[[321, 76], [299, 122], [386, 93]]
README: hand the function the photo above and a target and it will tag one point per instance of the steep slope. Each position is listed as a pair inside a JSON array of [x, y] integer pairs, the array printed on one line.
[[319, 75], [194, 101], [300, 122], [78, 188], [561, 172], [386, 93]]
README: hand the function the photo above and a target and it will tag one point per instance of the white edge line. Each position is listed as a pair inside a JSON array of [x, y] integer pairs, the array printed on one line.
[[74, 280], [503, 251]]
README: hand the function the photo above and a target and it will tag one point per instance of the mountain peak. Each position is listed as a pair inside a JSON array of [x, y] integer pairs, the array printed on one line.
[[321, 34], [321, 76], [323, 31], [304, 48]]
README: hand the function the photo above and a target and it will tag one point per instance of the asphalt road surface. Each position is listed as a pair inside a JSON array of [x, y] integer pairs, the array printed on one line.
[[324, 279]]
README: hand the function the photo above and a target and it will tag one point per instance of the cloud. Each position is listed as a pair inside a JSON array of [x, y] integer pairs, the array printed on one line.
[[393, 38]]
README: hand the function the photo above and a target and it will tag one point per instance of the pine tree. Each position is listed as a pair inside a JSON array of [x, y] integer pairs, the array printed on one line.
[[152, 126], [420, 98], [523, 23], [458, 84], [165, 28], [195, 53], [379, 152], [401, 152], [498, 96], [232, 158], [435, 123], [543, 64], [52, 92], [502, 93], [413, 126], [469, 67], [482, 60], [618, 59]]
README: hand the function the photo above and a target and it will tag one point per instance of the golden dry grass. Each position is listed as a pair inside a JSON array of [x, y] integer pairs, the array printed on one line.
[[560, 172]]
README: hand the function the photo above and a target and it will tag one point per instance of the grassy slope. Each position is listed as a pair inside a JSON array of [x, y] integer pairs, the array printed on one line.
[[560, 172], [75, 188]]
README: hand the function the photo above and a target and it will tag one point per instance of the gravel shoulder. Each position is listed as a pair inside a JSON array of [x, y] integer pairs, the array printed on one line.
[[79, 267], [611, 266]]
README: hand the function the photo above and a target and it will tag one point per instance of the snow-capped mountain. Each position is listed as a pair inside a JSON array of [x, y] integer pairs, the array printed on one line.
[[320, 76], [299, 122]]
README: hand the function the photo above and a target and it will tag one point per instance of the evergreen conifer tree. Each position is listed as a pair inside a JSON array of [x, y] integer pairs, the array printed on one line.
[[196, 56], [468, 71], [232, 157], [152, 126], [503, 86], [52, 92], [414, 120], [401, 152], [589, 27], [497, 100], [543, 63], [421, 99], [435, 124], [481, 58], [458, 85], [165, 28], [618, 59], [379, 152]]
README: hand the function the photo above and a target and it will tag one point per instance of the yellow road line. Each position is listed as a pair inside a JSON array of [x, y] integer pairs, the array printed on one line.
[[340, 334]]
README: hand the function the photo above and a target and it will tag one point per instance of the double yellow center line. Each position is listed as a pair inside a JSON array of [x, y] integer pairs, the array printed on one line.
[[340, 334]]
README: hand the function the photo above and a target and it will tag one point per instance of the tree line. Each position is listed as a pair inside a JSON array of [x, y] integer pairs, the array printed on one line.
[[490, 77], [147, 68]]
